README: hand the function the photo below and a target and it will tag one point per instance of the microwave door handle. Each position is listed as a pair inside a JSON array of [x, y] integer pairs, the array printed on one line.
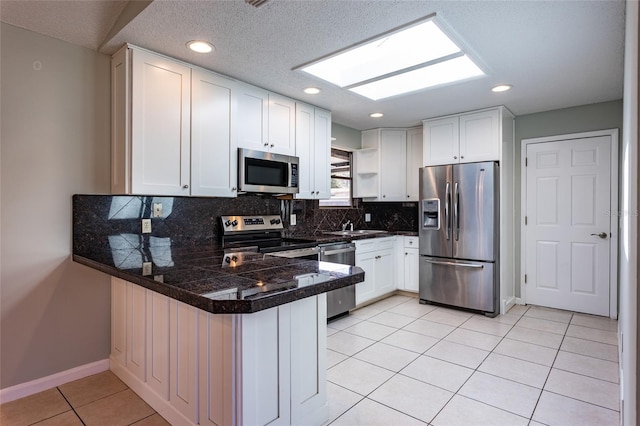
[[447, 202]]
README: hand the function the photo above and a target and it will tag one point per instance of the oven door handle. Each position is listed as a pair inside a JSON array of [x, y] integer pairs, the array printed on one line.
[[332, 252]]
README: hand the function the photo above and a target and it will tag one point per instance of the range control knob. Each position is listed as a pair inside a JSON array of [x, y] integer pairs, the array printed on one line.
[[227, 259], [234, 223], [227, 223]]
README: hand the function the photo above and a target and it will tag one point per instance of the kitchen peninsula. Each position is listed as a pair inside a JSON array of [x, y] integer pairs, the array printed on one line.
[[201, 340]]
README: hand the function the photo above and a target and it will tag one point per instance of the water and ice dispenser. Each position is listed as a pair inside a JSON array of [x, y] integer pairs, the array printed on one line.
[[431, 214]]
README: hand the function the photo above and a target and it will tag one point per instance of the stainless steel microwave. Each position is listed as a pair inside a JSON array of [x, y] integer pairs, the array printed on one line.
[[266, 172]]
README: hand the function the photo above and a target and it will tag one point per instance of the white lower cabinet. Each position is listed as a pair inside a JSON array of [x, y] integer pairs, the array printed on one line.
[[377, 258], [407, 263], [221, 369]]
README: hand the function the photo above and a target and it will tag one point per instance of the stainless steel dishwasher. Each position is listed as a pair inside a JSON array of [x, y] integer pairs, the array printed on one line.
[[341, 300]]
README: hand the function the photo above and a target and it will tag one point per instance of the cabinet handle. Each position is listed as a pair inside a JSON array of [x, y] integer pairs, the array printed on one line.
[[455, 157], [384, 196], [266, 144], [408, 196], [272, 145], [406, 254], [233, 189], [461, 157], [185, 186]]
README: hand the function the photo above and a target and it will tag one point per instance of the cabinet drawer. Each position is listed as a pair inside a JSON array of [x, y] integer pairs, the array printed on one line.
[[364, 246], [384, 243], [411, 242]]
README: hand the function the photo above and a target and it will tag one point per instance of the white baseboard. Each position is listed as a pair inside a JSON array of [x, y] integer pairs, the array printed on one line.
[[507, 304], [34, 386], [520, 301]]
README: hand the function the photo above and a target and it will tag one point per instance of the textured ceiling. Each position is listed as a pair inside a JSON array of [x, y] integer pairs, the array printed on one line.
[[555, 53]]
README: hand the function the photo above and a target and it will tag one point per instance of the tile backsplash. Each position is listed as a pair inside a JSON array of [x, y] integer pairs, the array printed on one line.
[[192, 221]]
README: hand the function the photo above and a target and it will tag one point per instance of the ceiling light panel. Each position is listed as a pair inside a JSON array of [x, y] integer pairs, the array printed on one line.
[[423, 42], [461, 68]]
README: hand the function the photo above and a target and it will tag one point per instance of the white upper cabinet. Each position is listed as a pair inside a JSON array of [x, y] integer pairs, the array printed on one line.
[[464, 138], [160, 133], [214, 154], [313, 148], [384, 166], [266, 121], [414, 162], [172, 128]]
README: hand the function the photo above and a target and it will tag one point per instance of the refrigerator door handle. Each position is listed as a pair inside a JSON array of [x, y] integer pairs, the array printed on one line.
[[447, 203], [456, 213], [462, 265]]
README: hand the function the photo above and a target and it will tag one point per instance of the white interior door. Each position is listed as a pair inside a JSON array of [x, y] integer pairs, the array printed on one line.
[[568, 224]]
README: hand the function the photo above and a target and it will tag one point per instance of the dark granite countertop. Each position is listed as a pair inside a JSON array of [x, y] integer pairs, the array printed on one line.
[[197, 276]]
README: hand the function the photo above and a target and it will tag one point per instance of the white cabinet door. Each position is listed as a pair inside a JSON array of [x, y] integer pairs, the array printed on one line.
[[393, 157], [305, 135], [183, 380], [214, 155], [282, 118], [441, 141], [252, 123], [366, 290], [160, 131], [309, 360], [322, 154], [411, 259], [385, 272], [313, 148], [414, 162], [480, 136]]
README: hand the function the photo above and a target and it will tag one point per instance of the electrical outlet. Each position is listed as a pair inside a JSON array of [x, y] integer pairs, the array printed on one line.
[[157, 209], [146, 226], [146, 268], [367, 217], [293, 220]]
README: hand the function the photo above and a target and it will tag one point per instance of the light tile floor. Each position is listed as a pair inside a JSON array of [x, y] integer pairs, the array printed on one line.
[[399, 362], [101, 399]]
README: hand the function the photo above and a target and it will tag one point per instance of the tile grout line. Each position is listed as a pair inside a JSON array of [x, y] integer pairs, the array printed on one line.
[[72, 407], [502, 338]]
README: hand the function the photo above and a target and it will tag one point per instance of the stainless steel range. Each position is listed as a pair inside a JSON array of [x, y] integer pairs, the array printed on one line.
[[263, 234]]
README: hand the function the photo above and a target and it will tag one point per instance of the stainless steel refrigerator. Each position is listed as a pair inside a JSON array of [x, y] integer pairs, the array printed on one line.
[[459, 235]]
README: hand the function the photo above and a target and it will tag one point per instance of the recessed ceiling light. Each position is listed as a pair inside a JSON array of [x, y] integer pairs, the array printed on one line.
[[311, 90], [502, 88], [396, 62], [376, 115], [200, 46]]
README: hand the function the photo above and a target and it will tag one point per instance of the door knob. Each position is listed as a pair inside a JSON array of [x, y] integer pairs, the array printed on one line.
[[602, 235]]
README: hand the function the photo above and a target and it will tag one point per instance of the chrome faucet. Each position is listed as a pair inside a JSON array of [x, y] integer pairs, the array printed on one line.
[[344, 225]]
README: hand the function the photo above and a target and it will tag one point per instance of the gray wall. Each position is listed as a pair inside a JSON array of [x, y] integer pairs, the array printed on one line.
[[55, 137], [586, 118], [346, 137]]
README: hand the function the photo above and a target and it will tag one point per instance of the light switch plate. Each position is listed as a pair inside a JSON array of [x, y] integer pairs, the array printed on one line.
[[367, 217], [146, 226], [146, 268], [293, 220]]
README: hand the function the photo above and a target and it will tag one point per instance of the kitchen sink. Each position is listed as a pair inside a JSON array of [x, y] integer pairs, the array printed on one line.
[[357, 232]]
